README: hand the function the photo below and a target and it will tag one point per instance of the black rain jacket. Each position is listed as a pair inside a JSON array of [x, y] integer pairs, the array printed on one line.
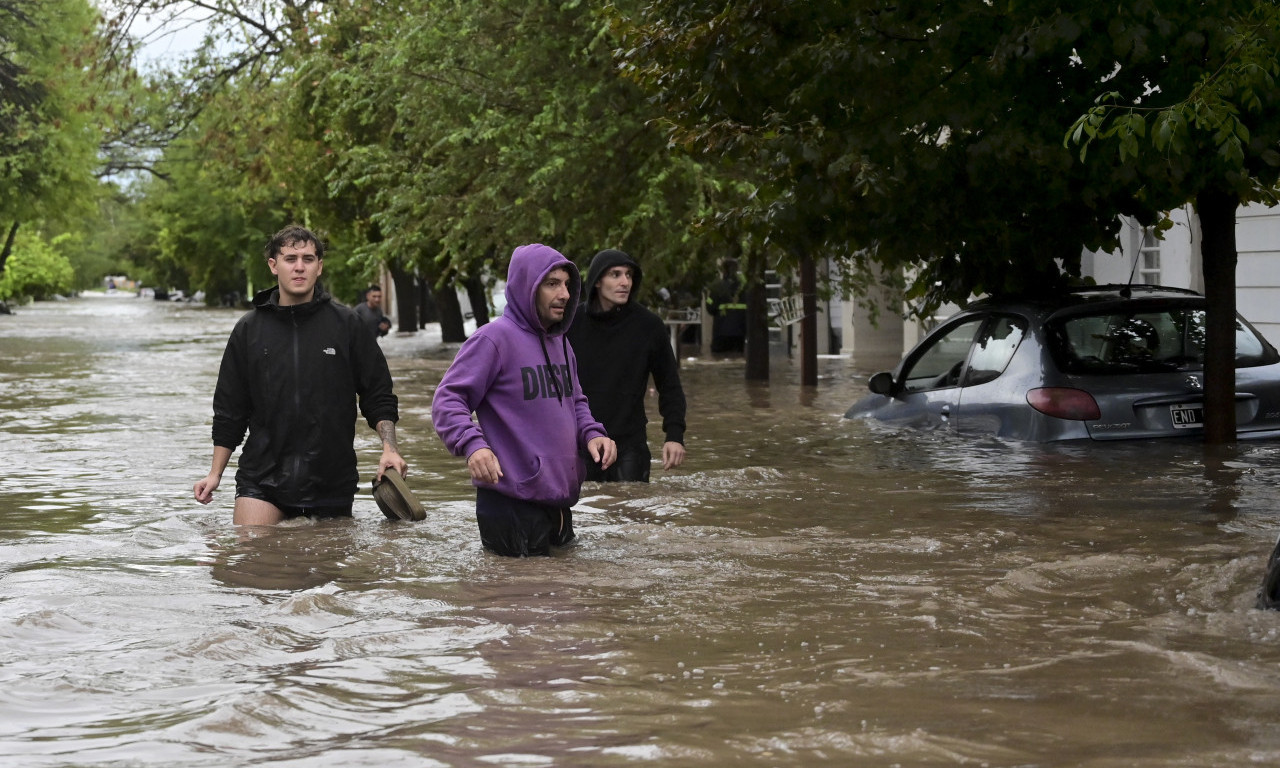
[[291, 377], [617, 352]]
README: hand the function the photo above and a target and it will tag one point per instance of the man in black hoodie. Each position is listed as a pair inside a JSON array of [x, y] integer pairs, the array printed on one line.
[[291, 375], [619, 345]]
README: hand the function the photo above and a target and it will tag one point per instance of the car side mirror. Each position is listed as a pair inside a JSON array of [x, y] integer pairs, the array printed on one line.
[[881, 383]]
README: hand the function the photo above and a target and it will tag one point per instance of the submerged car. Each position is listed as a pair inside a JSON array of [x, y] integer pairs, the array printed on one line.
[[1107, 362]]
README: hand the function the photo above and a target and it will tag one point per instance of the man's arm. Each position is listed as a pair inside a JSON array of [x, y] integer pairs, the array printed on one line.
[[232, 406], [374, 387], [462, 388], [665, 370], [204, 488], [391, 458]]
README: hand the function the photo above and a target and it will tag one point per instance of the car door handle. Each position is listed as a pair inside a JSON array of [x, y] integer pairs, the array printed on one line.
[[945, 413]]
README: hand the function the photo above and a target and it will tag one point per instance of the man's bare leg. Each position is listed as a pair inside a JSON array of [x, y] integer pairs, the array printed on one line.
[[255, 512]]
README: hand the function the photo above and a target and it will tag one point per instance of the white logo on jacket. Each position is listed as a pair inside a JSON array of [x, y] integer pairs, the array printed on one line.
[[330, 351]]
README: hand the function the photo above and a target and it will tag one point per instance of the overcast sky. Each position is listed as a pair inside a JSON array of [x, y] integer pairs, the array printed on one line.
[[165, 37]]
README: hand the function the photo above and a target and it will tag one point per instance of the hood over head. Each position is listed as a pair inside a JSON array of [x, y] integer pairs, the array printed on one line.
[[601, 263], [530, 264]]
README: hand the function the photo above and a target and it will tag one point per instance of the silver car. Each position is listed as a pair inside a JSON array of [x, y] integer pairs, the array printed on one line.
[[1100, 363]]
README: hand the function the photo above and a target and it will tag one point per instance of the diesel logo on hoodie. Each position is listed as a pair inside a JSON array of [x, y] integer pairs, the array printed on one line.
[[546, 381]]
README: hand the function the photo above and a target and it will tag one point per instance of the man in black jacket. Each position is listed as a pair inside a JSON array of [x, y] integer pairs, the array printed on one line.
[[370, 311], [291, 375], [619, 345]]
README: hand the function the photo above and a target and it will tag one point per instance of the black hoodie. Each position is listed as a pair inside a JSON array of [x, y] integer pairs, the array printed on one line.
[[291, 376], [617, 351]]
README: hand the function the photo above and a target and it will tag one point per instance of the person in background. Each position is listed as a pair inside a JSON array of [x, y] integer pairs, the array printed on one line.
[[370, 311], [519, 376], [729, 320], [291, 375], [620, 344]]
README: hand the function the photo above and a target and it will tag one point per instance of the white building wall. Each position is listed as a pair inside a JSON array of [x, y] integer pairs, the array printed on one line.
[[874, 345], [1257, 270], [1179, 256]]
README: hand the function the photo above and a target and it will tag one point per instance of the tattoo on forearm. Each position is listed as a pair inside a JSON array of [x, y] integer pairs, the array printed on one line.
[[387, 431]]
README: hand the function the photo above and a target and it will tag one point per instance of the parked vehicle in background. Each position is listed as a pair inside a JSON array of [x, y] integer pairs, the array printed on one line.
[[1106, 362]]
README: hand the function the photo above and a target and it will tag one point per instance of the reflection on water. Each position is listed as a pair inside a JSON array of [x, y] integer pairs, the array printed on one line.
[[278, 558], [805, 591]]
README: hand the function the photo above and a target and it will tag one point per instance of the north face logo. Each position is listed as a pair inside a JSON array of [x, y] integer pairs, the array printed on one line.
[[330, 351]]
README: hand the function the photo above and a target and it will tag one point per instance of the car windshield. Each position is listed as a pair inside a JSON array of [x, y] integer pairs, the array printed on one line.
[[1166, 339]]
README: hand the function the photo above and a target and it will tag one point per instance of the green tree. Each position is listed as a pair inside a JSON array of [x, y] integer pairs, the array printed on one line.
[[1192, 115], [49, 128], [472, 128], [928, 138], [36, 269], [216, 200], [187, 227]]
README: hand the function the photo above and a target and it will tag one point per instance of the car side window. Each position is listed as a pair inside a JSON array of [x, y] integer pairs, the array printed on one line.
[[940, 364], [994, 348]]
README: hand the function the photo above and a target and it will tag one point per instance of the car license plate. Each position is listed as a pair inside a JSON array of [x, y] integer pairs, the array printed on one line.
[[1186, 416]]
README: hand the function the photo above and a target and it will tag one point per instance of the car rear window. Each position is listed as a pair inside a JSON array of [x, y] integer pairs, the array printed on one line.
[[1169, 339]]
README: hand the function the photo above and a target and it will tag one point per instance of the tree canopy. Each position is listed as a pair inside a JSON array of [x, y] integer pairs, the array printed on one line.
[[930, 136], [975, 147], [49, 126]]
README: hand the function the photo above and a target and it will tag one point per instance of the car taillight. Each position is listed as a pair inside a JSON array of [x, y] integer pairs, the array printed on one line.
[[1064, 403]]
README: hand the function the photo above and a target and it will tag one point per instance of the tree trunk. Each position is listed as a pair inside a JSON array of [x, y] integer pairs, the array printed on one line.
[[809, 323], [8, 246], [451, 329], [427, 312], [757, 347], [479, 299], [1217, 211], [406, 298]]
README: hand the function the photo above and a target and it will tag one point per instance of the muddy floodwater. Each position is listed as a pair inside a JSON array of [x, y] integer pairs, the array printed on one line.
[[805, 591]]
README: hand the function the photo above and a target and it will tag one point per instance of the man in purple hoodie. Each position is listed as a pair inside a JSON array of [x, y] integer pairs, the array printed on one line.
[[519, 376]]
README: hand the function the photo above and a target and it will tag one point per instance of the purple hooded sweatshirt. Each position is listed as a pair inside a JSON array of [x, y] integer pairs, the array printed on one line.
[[522, 383]]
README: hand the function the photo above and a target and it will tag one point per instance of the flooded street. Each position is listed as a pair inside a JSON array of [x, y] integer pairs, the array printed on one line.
[[805, 591]]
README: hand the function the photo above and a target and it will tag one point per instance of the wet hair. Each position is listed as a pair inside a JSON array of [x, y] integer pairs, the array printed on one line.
[[293, 234]]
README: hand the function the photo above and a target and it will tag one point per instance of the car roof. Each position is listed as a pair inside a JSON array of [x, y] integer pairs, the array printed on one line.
[[1049, 303]]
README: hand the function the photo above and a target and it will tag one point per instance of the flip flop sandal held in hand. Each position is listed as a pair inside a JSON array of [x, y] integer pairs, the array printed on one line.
[[395, 499]]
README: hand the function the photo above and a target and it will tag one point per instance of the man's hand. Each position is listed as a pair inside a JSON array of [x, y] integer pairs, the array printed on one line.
[[603, 451], [391, 460], [484, 466], [204, 489], [672, 455]]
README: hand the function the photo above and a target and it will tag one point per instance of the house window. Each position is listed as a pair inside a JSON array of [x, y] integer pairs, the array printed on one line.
[[1149, 257]]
